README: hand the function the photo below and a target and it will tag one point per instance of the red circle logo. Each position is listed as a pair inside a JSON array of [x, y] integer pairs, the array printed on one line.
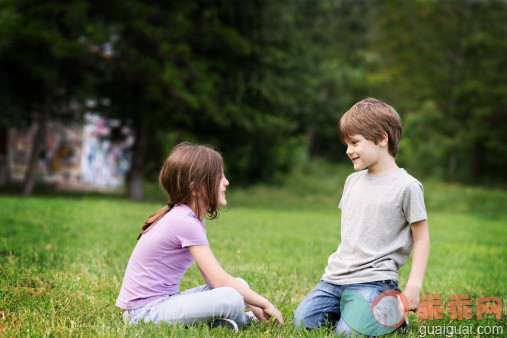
[[390, 308]]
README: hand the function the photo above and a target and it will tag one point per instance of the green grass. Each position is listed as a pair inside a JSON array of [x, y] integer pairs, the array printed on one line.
[[63, 256]]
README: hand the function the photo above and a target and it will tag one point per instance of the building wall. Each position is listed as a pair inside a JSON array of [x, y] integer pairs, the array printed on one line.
[[91, 155]]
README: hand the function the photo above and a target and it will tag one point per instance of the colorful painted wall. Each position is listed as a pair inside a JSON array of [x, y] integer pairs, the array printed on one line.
[[93, 155]]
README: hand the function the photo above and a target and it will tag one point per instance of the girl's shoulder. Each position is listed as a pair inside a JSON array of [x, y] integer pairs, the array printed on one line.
[[182, 210], [181, 216]]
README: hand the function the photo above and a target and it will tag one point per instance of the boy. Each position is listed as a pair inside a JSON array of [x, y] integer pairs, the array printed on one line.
[[383, 216]]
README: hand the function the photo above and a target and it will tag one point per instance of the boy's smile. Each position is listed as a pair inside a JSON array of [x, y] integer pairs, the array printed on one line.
[[366, 154]]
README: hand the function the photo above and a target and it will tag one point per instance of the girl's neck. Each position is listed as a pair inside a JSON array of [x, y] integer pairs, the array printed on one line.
[[201, 214]]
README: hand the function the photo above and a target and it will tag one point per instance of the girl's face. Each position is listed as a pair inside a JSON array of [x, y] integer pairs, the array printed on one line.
[[221, 191]]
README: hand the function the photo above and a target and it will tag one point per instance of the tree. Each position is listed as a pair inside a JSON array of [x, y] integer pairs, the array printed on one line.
[[43, 62], [334, 36], [214, 72], [152, 77], [439, 61]]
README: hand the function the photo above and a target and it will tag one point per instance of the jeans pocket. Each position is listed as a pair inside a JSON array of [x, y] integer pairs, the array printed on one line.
[[391, 285]]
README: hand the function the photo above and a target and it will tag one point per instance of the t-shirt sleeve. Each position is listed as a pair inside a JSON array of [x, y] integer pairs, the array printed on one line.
[[413, 203], [347, 181], [191, 233]]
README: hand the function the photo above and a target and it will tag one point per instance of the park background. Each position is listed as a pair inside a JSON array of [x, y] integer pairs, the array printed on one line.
[[265, 83]]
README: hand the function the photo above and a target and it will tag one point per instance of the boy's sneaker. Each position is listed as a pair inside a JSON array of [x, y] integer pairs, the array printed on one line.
[[405, 323], [224, 322]]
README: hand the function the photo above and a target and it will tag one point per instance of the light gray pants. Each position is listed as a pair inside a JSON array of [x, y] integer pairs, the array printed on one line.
[[199, 304]]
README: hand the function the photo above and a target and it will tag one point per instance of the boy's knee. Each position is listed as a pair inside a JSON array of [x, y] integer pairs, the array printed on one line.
[[298, 318], [342, 328], [301, 320]]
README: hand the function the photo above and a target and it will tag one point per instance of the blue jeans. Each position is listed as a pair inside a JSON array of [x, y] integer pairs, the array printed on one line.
[[321, 307], [199, 304]]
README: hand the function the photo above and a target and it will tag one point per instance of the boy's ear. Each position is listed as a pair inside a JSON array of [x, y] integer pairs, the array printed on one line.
[[384, 140]]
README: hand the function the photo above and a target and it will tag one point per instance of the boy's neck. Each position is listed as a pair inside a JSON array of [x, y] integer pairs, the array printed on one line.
[[385, 165]]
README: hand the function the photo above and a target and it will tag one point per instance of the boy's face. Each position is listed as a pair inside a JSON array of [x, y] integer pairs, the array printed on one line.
[[363, 153]]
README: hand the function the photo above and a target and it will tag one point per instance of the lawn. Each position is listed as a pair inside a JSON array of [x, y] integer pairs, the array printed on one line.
[[63, 255]]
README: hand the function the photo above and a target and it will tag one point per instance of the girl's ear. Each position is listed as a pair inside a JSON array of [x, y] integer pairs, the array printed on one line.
[[192, 189]]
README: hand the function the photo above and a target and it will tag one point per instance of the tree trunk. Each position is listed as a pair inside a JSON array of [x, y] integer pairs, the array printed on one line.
[[252, 170], [38, 142], [135, 176], [457, 60], [311, 136], [4, 163]]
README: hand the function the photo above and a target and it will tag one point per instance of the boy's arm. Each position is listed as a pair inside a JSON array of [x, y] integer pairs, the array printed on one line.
[[421, 236]]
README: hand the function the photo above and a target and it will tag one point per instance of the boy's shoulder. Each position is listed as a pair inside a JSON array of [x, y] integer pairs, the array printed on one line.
[[354, 177], [357, 174], [406, 179]]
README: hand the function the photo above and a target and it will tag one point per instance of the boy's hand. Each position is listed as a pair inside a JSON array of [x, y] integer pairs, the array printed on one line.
[[412, 295]]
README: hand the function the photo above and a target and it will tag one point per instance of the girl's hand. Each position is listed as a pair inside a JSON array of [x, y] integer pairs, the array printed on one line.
[[216, 277], [258, 312], [272, 311]]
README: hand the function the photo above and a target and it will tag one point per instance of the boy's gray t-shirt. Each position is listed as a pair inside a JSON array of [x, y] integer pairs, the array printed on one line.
[[376, 237]]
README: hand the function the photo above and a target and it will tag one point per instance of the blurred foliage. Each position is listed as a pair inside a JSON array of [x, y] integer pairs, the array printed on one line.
[[316, 185], [265, 82], [442, 65], [42, 58]]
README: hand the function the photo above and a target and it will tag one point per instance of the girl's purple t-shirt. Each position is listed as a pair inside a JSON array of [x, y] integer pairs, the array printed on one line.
[[161, 257]]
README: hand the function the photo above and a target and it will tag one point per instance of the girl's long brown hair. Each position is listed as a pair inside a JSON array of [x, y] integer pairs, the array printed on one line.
[[190, 168]]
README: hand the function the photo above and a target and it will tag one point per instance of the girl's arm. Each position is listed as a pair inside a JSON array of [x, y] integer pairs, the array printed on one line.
[[215, 276], [421, 236], [206, 280], [258, 312]]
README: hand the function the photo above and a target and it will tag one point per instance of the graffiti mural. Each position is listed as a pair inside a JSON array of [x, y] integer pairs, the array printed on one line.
[[106, 153], [94, 155], [58, 159]]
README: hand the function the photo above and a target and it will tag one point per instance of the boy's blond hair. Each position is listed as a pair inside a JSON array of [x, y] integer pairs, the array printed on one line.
[[371, 118]]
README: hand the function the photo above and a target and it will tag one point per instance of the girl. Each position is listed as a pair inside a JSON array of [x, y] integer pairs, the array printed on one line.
[[173, 238]]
